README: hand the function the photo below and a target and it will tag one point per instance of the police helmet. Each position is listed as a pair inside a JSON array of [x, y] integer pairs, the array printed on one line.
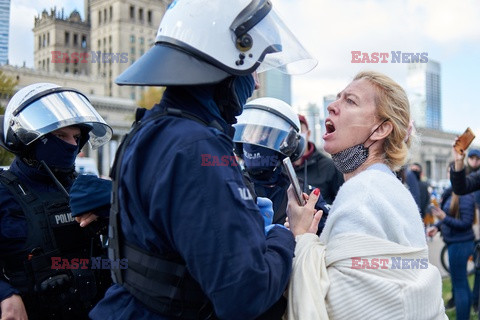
[[270, 123], [41, 108], [206, 41]]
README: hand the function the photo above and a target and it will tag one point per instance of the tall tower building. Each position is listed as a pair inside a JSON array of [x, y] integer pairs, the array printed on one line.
[[4, 26], [126, 29], [57, 39], [424, 92], [274, 84]]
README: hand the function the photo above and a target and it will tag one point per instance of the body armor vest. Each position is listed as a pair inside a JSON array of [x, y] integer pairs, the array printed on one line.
[[161, 283], [53, 290]]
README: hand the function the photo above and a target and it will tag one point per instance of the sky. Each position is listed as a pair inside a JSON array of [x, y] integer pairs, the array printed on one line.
[[447, 30]]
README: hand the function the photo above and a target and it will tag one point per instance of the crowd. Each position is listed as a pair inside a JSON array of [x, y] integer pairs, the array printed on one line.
[[229, 241]]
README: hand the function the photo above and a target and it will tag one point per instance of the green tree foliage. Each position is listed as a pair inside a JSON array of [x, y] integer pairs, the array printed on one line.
[[7, 89], [150, 97]]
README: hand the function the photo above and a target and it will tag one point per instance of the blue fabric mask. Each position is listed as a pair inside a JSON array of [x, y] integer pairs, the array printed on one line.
[[56, 153], [243, 87], [256, 157]]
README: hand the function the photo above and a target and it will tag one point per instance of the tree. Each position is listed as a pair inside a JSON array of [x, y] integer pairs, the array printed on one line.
[[7, 89], [150, 97]]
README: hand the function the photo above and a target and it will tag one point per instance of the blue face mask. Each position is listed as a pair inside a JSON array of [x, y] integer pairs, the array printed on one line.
[[55, 152], [243, 87]]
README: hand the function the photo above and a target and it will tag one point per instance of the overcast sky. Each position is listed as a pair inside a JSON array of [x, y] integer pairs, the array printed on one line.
[[449, 31]]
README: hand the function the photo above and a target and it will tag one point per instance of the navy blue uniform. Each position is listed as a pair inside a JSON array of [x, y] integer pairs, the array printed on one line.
[[13, 225], [180, 193]]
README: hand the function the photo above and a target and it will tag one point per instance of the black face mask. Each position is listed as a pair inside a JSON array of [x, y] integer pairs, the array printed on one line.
[[417, 174], [56, 153], [232, 94]]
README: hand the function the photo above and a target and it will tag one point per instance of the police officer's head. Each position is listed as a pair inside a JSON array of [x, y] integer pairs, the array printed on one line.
[[44, 121], [216, 41], [267, 131]]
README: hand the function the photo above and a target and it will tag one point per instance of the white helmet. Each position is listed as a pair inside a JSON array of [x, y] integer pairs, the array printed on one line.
[[206, 41], [41, 108], [270, 123]]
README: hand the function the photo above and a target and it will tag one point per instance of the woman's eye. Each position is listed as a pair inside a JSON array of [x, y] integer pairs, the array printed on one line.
[[350, 101]]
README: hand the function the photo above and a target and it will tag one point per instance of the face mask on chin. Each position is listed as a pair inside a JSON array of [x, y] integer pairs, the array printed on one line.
[[352, 158]]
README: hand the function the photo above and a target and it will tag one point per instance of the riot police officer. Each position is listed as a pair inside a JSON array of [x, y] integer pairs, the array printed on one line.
[[45, 126], [268, 131], [181, 214]]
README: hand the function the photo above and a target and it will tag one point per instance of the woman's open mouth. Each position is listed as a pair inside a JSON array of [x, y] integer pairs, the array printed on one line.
[[330, 128]]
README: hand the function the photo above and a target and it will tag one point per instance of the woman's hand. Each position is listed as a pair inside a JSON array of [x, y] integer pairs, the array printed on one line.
[[439, 213], [432, 231], [303, 219], [458, 157]]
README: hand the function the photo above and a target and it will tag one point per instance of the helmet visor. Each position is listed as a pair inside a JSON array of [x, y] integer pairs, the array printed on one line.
[[290, 56], [252, 129], [58, 110]]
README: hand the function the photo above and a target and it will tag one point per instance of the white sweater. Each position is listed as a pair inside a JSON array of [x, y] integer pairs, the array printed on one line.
[[373, 217]]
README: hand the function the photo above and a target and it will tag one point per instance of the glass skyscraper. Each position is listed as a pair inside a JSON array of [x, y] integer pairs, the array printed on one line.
[[424, 92], [4, 26]]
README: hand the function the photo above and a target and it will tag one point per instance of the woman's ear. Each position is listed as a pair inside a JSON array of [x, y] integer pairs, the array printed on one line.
[[382, 131]]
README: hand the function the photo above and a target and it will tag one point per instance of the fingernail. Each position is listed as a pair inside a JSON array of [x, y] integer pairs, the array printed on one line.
[[316, 191], [82, 224]]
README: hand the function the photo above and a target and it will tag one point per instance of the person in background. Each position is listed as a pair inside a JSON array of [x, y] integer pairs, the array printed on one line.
[[317, 169], [424, 194], [196, 242], [455, 219], [46, 126], [373, 221]]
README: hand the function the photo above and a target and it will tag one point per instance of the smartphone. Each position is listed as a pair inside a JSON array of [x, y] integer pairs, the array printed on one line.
[[464, 141], [287, 163]]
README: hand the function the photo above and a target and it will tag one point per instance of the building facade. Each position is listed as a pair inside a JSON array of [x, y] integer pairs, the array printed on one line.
[[62, 43]]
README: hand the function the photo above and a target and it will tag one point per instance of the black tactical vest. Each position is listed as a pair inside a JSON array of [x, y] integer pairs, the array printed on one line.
[[49, 288]]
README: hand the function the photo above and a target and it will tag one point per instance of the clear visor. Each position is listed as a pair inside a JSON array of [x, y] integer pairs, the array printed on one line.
[[292, 57], [58, 110], [264, 129]]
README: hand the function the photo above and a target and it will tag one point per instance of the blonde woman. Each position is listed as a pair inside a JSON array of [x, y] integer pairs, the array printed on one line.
[[371, 261]]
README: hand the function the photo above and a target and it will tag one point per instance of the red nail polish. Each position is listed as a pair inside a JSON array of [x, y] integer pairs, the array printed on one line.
[[316, 191]]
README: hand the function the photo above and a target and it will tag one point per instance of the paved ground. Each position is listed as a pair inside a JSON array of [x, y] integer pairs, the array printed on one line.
[[434, 247]]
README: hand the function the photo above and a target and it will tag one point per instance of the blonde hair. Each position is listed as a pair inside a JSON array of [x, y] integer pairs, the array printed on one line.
[[392, 104]]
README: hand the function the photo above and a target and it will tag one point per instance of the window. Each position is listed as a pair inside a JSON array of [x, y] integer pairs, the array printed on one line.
[[99, 17], [141, 40], [110, 39], [105, 15], [39, 42], [84, 41], [48, 39], [99, 44], [140, 14], [132, 50], [67, 37], [142, 52], [111, 13], [75, 39], [43, 41], [149, 16], [132, 12], [132, 39]]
